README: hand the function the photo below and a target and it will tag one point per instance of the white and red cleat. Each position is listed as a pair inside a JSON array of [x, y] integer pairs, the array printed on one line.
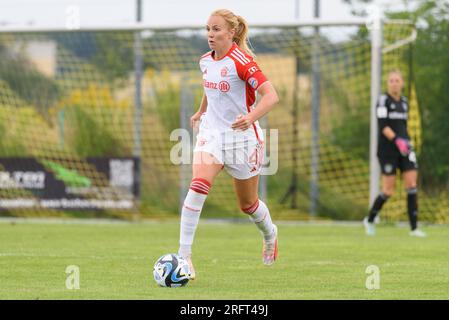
[[270, 249], [192, 274]]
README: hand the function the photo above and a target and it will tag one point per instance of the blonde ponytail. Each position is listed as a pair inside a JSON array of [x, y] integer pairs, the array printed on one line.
[[241, 35], [241, 28]]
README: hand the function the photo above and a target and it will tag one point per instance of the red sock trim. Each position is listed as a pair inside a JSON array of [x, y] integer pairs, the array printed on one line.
[[251, 209], [200, 185], [199, 190], [203, 181]]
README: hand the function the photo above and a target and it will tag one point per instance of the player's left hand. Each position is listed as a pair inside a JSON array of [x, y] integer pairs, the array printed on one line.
[[404, 146], [242, 122]]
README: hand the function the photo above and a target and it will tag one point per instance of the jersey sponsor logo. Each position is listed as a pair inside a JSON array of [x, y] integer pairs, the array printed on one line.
[[224, 71], [382, 112], [252, 70], [253, 82], [210, 85], [397, 115], [224, 86]]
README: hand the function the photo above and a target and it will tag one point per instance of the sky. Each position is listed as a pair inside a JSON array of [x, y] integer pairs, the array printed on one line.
[[91, 13]]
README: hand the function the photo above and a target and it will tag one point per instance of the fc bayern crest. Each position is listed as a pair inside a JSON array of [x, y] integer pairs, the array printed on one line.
[[224, 72], [253, 82]]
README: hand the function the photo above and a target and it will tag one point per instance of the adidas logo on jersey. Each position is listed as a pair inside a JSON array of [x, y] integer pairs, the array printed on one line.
[[240, 56]]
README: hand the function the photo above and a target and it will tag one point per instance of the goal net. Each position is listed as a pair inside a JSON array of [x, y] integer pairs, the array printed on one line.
[[92, 120]]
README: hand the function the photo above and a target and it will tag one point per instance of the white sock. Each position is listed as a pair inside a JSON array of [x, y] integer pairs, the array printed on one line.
[[260, 215], [190, 214]]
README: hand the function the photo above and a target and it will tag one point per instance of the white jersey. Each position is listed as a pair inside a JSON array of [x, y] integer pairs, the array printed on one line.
[[230, 85]]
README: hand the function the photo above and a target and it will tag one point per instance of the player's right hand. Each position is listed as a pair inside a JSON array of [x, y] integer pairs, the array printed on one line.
[[403, 146], [194, 119]]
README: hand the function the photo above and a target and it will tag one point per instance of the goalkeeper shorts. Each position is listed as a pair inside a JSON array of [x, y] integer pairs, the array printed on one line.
[[390, 164]]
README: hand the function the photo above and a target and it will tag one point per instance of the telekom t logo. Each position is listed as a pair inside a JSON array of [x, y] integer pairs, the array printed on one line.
[[252, 69]]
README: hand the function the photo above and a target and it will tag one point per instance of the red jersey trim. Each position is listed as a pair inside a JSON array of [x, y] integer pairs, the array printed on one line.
[[241, 61], [206, 55], [226, 55]]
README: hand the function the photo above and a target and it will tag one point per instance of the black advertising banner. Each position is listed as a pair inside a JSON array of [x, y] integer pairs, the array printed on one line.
[[91, 183]]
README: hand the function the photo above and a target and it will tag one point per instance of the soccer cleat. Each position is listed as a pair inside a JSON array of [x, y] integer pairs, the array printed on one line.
[[418, 233], [377, 219], [370, 228], [192, 274], [270, 249]]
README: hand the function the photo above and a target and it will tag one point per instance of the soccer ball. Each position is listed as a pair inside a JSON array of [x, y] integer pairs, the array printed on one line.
[[171, 270]]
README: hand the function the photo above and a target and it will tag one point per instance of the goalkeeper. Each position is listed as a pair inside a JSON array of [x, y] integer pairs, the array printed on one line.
[[395, 151]]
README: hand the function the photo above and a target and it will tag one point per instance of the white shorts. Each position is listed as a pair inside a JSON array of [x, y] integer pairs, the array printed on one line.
[[241, 154]]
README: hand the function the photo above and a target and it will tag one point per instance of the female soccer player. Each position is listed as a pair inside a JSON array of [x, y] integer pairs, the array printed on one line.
[[395, 151], [229, 133]]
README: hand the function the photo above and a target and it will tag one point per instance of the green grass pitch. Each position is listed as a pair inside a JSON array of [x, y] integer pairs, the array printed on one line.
[[315, 261]]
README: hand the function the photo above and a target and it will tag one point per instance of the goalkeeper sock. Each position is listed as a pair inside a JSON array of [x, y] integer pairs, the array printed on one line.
[[378, 203], [412, 206], [190, 214], [260, 215]]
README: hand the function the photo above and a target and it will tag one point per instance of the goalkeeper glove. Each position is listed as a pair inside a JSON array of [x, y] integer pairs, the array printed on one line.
[[403, 145]]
